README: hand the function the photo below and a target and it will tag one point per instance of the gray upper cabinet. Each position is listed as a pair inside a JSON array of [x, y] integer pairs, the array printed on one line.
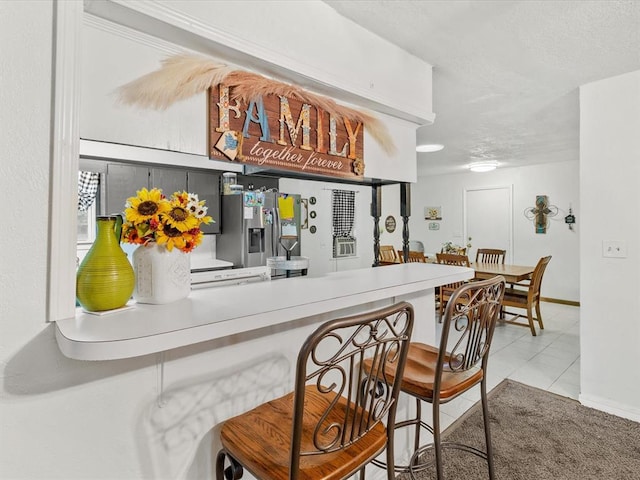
[[122, 182], [207, 186], [169, 180]]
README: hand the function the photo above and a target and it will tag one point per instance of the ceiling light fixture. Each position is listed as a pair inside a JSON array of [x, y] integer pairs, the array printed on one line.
[[429, 147], [486, 166]]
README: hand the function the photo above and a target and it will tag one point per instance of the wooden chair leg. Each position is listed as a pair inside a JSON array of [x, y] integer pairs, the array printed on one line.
[[539, 314], [530, 318]]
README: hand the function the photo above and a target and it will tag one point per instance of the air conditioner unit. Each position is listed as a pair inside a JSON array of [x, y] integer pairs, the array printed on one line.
[[344, 247]]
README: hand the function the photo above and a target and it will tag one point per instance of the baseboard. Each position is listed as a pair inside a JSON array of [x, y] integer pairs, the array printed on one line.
[[614, 408], [561, 301]]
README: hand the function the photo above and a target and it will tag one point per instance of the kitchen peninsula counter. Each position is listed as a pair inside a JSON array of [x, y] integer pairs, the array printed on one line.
[[216, 312]]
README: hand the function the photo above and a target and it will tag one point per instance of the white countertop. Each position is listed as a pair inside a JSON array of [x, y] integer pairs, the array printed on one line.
[[211, 313], [207, 263]]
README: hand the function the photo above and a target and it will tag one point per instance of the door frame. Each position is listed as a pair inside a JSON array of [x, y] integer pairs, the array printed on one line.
[[509, 188]]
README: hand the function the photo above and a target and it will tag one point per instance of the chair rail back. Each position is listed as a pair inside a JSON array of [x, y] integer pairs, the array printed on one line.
[[536, 277], [472, 312], [453, 259], [388, 254], [456, 260], [330, 373], [490, 255], [413, 257]]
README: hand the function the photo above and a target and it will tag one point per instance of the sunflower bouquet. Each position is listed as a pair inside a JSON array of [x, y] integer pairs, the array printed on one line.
[[172, 222]]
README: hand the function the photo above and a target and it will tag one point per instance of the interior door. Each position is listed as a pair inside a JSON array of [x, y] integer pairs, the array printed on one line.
[[488, 219]]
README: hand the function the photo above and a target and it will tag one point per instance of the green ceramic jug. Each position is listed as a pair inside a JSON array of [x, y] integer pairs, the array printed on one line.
[[105, 278]]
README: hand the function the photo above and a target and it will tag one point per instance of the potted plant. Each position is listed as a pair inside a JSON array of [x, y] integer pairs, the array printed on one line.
[[166, 230]]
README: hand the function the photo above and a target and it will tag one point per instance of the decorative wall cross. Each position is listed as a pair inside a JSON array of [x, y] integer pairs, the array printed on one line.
[[541, 212]]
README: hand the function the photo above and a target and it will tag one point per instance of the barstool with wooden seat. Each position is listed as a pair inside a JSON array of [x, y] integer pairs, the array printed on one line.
[[328, 428], [438, 375]]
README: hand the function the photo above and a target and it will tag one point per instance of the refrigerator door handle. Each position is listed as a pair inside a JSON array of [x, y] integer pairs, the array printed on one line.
[[275, 231]]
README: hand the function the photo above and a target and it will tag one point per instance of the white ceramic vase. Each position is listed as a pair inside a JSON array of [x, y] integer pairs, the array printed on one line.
[[162, 276]]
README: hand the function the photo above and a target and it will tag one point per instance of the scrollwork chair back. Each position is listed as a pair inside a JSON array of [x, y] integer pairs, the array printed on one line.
[[334, 391]]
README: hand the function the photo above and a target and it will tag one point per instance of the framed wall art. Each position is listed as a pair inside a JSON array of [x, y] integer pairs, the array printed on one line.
[[390, 224], [433, 213]]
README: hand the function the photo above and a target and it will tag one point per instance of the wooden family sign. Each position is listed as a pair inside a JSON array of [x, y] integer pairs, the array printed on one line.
[[283, 133]]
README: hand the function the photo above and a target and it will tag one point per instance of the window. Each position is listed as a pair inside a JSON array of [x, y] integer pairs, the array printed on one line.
[[343, 217], [87, 225]]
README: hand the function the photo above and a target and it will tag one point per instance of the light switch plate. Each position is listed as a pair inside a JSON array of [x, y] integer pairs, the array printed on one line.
[[614, 249]]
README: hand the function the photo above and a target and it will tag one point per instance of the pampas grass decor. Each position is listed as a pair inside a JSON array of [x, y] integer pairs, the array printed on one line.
[[183, 76]]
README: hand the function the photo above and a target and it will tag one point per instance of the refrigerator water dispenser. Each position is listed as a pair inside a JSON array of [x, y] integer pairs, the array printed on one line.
[[256, 240]]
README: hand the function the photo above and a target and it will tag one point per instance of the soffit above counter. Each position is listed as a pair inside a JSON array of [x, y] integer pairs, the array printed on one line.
[[116, 53], [325, 52]]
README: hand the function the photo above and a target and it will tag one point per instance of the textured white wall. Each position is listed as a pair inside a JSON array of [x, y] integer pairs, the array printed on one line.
[[610, 287], [559, 181]]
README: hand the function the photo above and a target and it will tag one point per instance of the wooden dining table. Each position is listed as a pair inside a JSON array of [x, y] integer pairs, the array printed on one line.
[[511, 273]]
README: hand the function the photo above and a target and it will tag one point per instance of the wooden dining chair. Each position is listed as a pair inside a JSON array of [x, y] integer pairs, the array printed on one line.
[[526, 296], [490, 255], [414, 257], [388, 255], [455, 250], [447, 290], [438, 375], [327, 428]]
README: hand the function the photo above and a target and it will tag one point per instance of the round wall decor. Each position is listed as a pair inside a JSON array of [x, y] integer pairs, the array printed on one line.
[[390, 224]]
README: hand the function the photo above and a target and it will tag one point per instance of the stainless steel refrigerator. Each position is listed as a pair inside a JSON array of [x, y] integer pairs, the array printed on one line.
[[258, 225]]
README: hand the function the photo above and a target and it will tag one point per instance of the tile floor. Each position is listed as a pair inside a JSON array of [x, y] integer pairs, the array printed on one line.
[[550, 360]]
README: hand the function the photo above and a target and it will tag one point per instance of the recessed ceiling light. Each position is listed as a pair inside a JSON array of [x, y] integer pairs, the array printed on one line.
[[486, 166], [429, 147]]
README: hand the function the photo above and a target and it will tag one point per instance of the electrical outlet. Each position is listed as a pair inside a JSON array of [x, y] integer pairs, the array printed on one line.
[[614, 249]]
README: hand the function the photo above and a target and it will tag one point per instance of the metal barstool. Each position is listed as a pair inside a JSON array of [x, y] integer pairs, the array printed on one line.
[[327, 428], [439, 375]]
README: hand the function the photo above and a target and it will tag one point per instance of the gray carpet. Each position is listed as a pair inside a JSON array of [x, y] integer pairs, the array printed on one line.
[[540, 435]]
